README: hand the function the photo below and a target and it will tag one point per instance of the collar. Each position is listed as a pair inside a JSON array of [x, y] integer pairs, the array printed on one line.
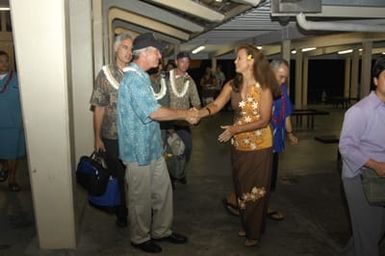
[[376, 102], [178, 76]]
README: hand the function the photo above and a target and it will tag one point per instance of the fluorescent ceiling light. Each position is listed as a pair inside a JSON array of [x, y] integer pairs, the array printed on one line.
[[4, 8], [198, 49], [308, 49], [345, 51], [360, 49], [293, 51], [259, 47], [383, 53]]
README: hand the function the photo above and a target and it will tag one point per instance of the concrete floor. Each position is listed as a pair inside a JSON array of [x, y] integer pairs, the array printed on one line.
[[309, 193]]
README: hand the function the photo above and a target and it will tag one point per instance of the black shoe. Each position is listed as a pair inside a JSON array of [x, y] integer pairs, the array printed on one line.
[[148, 246], [173, 238], [121, 222]]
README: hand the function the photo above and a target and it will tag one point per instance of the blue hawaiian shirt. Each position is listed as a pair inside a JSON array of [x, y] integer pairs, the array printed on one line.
[[139, 135]]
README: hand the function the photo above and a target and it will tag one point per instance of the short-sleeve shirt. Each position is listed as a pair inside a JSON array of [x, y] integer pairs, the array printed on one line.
[[106, 95], [282, 108], [247, 111], [189, 98], [139, 135]]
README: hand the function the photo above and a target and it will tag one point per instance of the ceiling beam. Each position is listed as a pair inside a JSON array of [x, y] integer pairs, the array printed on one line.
[[192, 8], [140, 30], [154, 12], [338, 39], [330, 11], [151, 24]]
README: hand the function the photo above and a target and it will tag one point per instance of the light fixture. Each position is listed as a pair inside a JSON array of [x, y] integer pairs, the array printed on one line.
[[383, 53], [308, 49], [198, 49], [259, 47], [360, 49], [293, 52], [4, 9], [345, 51]]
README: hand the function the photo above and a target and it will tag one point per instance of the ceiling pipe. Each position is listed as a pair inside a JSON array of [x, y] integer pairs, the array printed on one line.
[[336, 26]]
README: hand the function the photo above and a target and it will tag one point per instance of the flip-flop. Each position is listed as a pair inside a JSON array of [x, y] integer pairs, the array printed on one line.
[[3, 175], [275, 215]]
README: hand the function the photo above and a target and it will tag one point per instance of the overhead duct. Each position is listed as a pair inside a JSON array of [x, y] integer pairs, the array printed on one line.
[[296, 6], [336, 26]]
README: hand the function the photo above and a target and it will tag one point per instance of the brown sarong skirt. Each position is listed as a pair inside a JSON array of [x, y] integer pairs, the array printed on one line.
[[252, 169]]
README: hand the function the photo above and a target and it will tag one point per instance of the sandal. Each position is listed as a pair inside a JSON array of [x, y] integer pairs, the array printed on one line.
[[231, 209], [14, 187], [241, 233], [3, 175], [275, 215], [251, 242]]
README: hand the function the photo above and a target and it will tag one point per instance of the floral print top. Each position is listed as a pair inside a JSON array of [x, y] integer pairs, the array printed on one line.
[[247, 111]]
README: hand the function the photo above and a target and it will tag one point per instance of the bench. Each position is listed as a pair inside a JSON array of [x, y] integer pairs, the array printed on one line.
[[309, 114]]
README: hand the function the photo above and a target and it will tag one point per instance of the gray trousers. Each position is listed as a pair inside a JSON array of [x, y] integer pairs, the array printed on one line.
[[368, 222], [150, 208]]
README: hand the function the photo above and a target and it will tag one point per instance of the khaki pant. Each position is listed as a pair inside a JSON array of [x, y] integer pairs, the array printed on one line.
[[150, 208]]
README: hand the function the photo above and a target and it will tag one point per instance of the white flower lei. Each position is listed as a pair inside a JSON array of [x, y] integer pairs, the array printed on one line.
[[163, 86], [173, 87], [110, 77]]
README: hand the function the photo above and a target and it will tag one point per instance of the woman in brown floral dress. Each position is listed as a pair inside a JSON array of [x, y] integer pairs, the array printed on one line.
[[251, 94]]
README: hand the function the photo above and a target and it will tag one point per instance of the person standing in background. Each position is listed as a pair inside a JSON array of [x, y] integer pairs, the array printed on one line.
[[12, 141], [104, 100], [281, 124], [183, 95]]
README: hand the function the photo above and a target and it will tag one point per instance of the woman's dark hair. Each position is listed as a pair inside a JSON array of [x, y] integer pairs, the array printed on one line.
[[378, 67], [262, 71]]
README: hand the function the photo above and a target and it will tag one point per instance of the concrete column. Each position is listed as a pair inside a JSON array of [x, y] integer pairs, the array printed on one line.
[[285, 52], [213, 63], [3, 21], [366, 66], [82, 74], [44, 75], [354, 74], [97, 35], [298, 79], [305, 73], [347, 77]]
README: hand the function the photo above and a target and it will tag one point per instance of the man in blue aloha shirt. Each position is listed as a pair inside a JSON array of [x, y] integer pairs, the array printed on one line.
[[149, 187]]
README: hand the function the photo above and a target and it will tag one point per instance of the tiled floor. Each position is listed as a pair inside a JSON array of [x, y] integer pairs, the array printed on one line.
[[309, 194]]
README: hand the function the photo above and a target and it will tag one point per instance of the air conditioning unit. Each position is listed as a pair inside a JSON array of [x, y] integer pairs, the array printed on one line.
[[295, 6]]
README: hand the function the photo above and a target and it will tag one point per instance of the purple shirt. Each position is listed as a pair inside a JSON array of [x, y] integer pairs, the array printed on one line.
[[363, 135]]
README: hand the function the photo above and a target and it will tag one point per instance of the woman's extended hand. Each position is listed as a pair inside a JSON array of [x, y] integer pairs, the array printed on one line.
[[227, 134]]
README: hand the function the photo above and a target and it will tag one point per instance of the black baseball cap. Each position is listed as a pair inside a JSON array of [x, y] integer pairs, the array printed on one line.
[[182, 55], [147, 40]]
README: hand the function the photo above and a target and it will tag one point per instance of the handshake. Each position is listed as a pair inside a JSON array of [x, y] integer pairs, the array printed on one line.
[[192, 116]]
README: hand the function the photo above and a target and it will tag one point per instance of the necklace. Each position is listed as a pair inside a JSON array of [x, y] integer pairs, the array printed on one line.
[[162, 91], [163, 87], [173, 87], [110, 77]]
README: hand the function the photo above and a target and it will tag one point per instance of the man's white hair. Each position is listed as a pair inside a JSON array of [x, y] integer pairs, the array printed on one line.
[[119, 39]]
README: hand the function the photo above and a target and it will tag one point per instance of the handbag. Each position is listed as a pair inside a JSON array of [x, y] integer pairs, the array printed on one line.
[[92, 174], [373, 186], [110, 198]]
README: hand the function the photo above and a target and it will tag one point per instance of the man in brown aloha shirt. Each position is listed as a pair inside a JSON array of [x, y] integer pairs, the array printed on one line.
[[104, 101], [183, 95]]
